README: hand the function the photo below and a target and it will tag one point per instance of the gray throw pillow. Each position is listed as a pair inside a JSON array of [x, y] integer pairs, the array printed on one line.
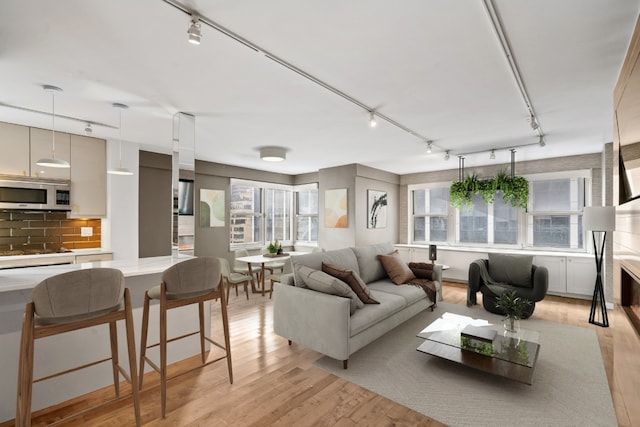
[[511, 269], [327, 284]]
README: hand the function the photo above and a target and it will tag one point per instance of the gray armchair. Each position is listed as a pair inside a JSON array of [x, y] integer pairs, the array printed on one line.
[[505, 272]]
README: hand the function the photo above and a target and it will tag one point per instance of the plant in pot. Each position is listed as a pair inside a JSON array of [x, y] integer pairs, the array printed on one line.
[[273, 247], [513, 307]]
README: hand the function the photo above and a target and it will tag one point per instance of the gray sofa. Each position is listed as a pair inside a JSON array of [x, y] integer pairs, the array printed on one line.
[[323, 322]]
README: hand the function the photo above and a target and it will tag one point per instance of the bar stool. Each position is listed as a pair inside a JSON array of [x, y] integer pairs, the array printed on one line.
[[192, 281], [68, 302]]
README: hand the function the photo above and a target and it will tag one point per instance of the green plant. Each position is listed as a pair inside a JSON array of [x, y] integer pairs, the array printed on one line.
[[515, 190], [512, 305], [273, 247]]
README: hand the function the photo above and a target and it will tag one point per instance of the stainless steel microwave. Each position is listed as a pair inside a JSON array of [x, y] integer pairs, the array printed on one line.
[[35, 193]]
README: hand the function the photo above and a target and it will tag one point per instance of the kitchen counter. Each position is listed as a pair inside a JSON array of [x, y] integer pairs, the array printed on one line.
[[55, 354]]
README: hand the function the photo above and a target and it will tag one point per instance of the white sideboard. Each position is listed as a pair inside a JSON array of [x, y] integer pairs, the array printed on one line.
[[572, 275]]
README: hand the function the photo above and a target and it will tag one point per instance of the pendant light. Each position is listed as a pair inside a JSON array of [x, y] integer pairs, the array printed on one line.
[[120, 170], [52, 162]]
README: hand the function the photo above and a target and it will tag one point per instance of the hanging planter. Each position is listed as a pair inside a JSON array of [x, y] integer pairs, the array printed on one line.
[[515, 190]]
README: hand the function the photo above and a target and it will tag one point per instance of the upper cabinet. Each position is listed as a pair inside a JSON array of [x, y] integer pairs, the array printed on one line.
[[41, 147], [14, 145], [88, 177]]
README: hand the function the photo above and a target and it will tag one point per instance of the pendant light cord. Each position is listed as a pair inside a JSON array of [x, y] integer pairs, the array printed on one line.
[[53, 124]]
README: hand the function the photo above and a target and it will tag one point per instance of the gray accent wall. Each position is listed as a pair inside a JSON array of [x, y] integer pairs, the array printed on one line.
[[154, 206]]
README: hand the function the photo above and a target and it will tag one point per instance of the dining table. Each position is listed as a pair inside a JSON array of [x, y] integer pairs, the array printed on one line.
[[262, 260]]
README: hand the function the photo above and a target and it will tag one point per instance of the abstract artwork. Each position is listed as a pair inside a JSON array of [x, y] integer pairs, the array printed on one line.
[[211, 208], [376, 209], [335, 208]]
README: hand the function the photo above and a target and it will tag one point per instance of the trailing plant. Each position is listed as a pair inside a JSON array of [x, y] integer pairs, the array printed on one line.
[[515, 190]]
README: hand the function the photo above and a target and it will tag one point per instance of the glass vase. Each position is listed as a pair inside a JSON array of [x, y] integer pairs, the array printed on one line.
[[511, 324]]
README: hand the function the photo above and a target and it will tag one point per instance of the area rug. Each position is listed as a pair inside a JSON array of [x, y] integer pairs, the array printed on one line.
[[569, 385]]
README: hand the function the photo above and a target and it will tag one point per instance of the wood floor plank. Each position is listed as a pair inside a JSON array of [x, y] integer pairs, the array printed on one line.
[[277, 385]]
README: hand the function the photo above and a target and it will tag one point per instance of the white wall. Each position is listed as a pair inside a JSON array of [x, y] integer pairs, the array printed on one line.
[[120, 227]]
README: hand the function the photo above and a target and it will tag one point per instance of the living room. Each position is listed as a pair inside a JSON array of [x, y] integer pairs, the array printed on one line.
[[428, 131]]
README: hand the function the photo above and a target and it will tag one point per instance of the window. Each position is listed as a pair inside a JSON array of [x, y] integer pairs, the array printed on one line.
[[259, 213], [430, 209], [554, 219], [307, 214]]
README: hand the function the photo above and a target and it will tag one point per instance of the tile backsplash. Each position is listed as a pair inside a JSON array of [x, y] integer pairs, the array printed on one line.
[[44, 230]]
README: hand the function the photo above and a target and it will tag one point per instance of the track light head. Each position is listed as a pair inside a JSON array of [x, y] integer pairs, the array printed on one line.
[[194, 30], [87, 129], [542, 143], [493, 155], [429, 146], [533, 122], [372, 119], [446, 155]]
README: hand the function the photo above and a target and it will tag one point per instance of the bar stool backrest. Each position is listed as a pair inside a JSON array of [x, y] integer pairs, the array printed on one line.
[[78, 295], [192, 277]]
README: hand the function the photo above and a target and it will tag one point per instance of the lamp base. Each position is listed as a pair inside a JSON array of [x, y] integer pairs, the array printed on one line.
[[597, 302]]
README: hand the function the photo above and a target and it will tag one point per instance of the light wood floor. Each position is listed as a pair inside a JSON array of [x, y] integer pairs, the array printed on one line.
[[277, 384]]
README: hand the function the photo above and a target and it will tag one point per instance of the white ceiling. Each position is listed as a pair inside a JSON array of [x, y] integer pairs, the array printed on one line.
[[434, 66]]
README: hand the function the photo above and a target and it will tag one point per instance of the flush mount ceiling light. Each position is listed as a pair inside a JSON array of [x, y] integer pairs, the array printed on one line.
[[120, 170], [52, 162], [493, 155], [372, 119], [273, 154], [194, 29], [429, 146]]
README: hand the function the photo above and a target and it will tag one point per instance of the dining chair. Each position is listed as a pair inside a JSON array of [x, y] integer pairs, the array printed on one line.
[[193, 281], [287, 268], [68, 302], [233, 279]]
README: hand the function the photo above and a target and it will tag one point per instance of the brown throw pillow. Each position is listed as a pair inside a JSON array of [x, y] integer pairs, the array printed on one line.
[[422, 270], [398, 270], [352, 279]]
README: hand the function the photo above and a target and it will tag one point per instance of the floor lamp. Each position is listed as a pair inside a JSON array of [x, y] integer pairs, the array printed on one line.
[[599, 219]]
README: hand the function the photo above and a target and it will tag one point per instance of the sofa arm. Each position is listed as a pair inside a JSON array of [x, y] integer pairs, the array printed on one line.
[[318, 321], [540, 282]]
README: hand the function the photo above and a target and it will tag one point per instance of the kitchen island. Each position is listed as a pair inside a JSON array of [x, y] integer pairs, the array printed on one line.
[[55, 354]]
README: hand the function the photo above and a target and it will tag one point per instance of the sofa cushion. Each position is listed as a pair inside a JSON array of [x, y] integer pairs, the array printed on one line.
[[327, 284], [511, 269], [375, 313], [342, 258], [370, 267], [410, 293], [352, 279], [397, 270]]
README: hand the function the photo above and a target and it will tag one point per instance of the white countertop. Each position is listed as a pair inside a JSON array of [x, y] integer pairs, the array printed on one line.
[[27, 278]]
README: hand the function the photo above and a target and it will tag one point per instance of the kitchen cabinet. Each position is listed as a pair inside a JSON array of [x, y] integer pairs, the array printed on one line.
[[88, 177], [14, 146], [41, 147]]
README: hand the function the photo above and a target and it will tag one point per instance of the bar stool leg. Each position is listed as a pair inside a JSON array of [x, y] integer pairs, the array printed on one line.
[[201, 316], [25, 370], [163, 348], [113, 338], [143, 339], [227, 342], [131, 349]]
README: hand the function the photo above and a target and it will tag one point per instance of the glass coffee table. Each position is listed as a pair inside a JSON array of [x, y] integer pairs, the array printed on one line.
[[484, 346]]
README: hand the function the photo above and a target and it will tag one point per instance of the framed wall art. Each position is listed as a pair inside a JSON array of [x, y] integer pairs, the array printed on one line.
[[376, 209], [335, 208], [211, 208]]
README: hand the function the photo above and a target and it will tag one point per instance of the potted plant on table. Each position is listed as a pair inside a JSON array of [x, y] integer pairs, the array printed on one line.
[[274, 248], [513, 307]]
